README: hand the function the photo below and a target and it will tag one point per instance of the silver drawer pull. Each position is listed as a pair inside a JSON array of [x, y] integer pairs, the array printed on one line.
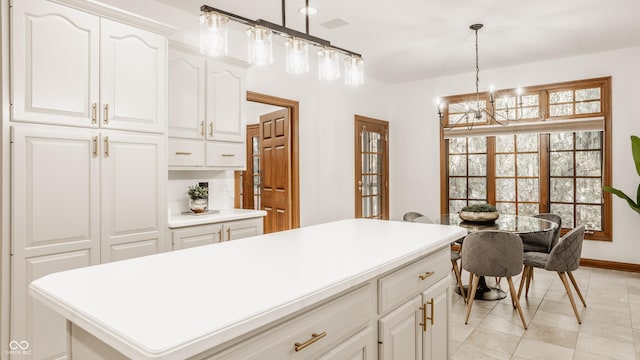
[[314, 337], [228, 155], [182, 153], [426, 275]]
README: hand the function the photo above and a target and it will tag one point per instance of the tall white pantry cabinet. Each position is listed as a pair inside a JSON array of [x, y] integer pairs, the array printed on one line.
[[88, 149]]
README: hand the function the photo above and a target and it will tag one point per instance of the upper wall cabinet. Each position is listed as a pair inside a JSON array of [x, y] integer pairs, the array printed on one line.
[[206, 111], [225, 96], [186, 95], [206, 97], [77, 69]]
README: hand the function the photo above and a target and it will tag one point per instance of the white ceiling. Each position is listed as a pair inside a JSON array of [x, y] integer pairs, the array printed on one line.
[[405, 40]]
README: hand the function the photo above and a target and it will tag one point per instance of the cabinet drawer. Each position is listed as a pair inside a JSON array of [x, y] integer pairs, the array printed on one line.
[[196, 236], [226, 154], [186, 152], [410, 280], [332, 323]]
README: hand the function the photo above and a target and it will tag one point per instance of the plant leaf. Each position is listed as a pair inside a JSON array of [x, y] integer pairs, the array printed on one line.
[[622, 195], [635, 149]]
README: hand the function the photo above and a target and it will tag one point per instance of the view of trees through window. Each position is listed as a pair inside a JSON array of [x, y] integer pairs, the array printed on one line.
[[560, 167]]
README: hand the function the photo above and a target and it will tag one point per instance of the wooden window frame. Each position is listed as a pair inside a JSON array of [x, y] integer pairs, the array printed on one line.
[[606, 234]]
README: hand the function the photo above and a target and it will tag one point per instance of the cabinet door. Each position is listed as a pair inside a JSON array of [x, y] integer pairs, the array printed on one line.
[[186, 95], [242, 228], [132, 78], [133, 194], [401, 333], [55, 223], [225, 102], [435, 339], [55, 54], [196, 236], [358, 347]]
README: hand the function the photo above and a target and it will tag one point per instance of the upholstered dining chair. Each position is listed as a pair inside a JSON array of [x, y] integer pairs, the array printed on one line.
[[544, 241], [413, 216], [493, 253], [563, 259]]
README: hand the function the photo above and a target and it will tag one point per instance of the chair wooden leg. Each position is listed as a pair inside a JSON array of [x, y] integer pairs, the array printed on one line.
[[512, 289], [575, 286], [563, 277], [529, 278], [456, 271], [523, 278], [472, 294]]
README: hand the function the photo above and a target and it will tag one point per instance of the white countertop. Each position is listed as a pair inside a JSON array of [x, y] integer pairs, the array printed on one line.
[[179, 220], [177, 304]]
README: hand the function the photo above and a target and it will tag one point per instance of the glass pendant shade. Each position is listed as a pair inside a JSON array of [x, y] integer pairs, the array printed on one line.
[[213, 34], [260, 46], [354, 71], [328, 64], [297, 56]]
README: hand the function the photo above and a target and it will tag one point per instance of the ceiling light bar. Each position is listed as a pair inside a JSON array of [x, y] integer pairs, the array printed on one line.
[[295, 37]]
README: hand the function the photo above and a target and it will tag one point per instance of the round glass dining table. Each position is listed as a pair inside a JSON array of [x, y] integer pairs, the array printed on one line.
[[517, 224]]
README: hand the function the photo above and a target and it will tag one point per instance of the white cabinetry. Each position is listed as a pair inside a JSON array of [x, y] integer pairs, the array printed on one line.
[[77, 69], [206, 120], [67, 185], [82, 190], [418, 329], [133, 195], [198, 235]]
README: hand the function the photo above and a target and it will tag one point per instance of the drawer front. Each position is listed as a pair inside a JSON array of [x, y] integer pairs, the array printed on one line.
[[186, 152], [312, 333], [226, 154], [196, 236], [410, 280], [240, 229], [357, 347]]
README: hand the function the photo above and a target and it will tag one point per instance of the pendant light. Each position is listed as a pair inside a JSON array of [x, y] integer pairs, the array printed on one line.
[[213, 34], [260, 46], [297, 56], [353, 71], [328, 64]]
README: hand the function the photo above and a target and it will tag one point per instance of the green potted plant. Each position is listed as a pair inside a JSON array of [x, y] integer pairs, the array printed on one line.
[[479, 213], [198, 198], [635, 150]]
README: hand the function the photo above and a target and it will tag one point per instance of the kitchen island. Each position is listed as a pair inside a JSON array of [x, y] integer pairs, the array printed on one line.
[[321, 291]]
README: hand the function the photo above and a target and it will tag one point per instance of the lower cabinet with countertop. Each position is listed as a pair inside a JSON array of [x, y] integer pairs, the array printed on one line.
[[301, 294], [186, 231]]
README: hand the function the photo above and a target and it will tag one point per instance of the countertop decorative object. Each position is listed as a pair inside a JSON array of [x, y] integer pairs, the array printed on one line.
[[178, 304], [482, 213]]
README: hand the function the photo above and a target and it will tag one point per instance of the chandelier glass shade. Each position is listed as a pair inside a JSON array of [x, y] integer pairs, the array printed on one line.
[[297, 56], [328, 64], [214, 29], [354, 71], [260, 50], [214, 35]]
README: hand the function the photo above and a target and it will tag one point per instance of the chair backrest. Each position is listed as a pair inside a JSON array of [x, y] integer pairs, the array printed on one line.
[[565, 256], [556, 233], [411, 216], [492, 253]]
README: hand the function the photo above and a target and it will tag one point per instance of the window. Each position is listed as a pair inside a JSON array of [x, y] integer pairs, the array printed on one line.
[[554, 155]]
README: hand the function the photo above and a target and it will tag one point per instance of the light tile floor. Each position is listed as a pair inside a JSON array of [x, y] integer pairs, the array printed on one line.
[[610, 326]]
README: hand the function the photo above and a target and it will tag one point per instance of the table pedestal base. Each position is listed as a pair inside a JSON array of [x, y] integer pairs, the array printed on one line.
[[484, 292]]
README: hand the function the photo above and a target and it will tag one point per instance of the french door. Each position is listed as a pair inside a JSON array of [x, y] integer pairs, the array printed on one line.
[[371, 168]]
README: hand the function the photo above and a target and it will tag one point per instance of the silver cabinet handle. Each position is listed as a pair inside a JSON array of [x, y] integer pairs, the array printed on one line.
[[182, 153]]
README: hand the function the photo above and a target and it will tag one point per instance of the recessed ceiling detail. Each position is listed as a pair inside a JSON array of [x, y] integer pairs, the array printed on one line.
[[334, 24]]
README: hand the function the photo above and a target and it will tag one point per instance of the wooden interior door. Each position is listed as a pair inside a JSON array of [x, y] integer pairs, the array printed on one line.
[[276, 170], [371, 168], [248, 182]]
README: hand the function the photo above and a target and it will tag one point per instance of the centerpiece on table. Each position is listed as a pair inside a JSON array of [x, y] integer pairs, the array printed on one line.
[[481, 213], [198, 198]]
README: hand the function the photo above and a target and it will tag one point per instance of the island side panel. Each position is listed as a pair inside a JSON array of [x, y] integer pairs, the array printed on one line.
[[83, 346]]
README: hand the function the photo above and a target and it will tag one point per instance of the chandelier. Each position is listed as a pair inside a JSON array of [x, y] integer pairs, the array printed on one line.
[[474, 111], [214, 42]]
